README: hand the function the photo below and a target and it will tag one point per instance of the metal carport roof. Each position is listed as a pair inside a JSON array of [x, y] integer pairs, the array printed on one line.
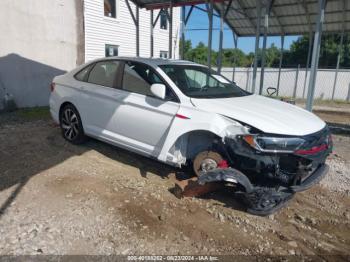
[[287, 17]]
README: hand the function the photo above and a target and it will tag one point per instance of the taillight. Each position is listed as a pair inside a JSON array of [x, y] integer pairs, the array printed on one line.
[[52, 86]]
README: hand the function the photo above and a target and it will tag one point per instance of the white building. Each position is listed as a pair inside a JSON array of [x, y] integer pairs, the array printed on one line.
[[110, 30], [41, 39]]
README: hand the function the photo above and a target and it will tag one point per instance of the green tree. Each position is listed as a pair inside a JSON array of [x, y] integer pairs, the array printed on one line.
[[328, 52], [188, 47], [272, 56], [297, 54]]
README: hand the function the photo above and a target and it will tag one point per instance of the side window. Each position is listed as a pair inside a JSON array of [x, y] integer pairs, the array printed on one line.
[[104, 73], [111, 50], [163, 54], [138, 78], [83, 74], [110, 9]]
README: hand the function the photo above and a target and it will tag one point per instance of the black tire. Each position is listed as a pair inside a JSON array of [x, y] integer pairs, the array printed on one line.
[[71, 126], [212, 158]]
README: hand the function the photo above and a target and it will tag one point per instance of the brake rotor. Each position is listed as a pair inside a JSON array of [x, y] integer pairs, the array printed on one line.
[[206, 161]]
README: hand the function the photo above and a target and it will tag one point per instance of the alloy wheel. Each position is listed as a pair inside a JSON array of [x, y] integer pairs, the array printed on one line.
[[70, 124]]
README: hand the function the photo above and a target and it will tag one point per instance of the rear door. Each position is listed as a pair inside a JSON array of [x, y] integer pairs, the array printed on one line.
[[141, 118], [100, 97]]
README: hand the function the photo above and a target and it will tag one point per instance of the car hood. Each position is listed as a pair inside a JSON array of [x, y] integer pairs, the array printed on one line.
[[266, 114]]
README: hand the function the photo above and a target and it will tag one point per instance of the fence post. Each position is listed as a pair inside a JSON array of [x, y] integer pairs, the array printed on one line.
[[296, 82], [233, 73], [247, 83], [348, 97]]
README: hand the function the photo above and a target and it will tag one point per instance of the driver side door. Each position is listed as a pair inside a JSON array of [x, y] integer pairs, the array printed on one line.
[[142, 119]]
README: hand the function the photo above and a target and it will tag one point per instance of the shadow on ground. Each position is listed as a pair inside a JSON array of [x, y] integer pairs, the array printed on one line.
[[29, 147]]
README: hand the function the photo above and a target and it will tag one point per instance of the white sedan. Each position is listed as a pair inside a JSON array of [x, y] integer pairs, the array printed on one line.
[[182, 113]]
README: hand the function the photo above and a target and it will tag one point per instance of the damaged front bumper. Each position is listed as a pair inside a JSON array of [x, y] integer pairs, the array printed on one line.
[[292, 169], [267, 180], [313, 179], [261, 200]]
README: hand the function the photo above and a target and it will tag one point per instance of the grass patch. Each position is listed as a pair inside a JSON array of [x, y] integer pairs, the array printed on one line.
[[34, 113]]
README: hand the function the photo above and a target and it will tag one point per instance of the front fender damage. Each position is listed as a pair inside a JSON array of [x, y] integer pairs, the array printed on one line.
[[260, 201], [264, 181], [230, 175]]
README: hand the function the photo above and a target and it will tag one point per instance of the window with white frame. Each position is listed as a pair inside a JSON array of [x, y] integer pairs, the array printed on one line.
[[164, 54], [110, 8], [111, 50]]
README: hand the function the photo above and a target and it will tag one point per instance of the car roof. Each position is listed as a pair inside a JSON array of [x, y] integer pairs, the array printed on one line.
[[151, 61]]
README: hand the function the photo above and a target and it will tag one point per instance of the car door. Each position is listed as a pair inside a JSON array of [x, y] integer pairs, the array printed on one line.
[[99, 97], [141, 117]]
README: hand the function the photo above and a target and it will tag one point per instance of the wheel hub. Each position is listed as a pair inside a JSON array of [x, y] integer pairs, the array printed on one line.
[[208, 164]]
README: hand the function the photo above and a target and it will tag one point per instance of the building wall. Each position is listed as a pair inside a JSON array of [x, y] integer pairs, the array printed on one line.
[[120, 31], [39, 39]]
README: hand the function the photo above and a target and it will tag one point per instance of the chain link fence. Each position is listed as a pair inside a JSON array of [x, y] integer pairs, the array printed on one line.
[[294, 82]]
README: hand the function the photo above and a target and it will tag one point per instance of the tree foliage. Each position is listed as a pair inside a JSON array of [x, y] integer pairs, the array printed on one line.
[[296, 55]]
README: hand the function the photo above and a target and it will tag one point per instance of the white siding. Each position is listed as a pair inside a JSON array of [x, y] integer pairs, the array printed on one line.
[[101, 30]]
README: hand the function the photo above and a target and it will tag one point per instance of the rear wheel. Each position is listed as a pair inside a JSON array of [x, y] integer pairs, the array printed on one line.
[[206, 161], [71, 126]]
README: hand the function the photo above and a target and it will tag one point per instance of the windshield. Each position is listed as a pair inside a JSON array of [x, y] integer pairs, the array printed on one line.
[[200, 82]]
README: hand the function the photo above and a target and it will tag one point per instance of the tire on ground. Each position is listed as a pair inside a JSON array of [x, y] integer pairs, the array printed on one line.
[[80, 138]]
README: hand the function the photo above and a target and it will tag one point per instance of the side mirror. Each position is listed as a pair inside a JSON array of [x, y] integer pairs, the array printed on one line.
[[158, 90]]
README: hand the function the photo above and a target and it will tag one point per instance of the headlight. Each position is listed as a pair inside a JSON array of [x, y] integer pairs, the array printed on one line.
[[273, 144]]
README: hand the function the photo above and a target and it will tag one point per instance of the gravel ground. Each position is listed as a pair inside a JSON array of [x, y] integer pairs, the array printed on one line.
[[57, 198]]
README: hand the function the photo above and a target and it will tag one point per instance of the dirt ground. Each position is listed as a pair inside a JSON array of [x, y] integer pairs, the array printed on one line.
[[57, 198], [334, 117]]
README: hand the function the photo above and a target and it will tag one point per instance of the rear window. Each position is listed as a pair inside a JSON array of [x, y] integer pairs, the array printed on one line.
[[83, 74], [104, 73]]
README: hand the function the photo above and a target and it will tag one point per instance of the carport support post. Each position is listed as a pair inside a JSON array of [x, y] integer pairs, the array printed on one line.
[[221, 38], [210, 33], [152, 34], [137, 31], [315, 54], [263, 56], [183, 29], [340, 48], [280, 66], [136, 20], [257, 38], [171, 31], [235, 41], [248, 79], [307, 61], [296, 82]]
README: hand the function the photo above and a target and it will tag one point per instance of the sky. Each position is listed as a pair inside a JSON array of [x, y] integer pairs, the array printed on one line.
[[199, 20]]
